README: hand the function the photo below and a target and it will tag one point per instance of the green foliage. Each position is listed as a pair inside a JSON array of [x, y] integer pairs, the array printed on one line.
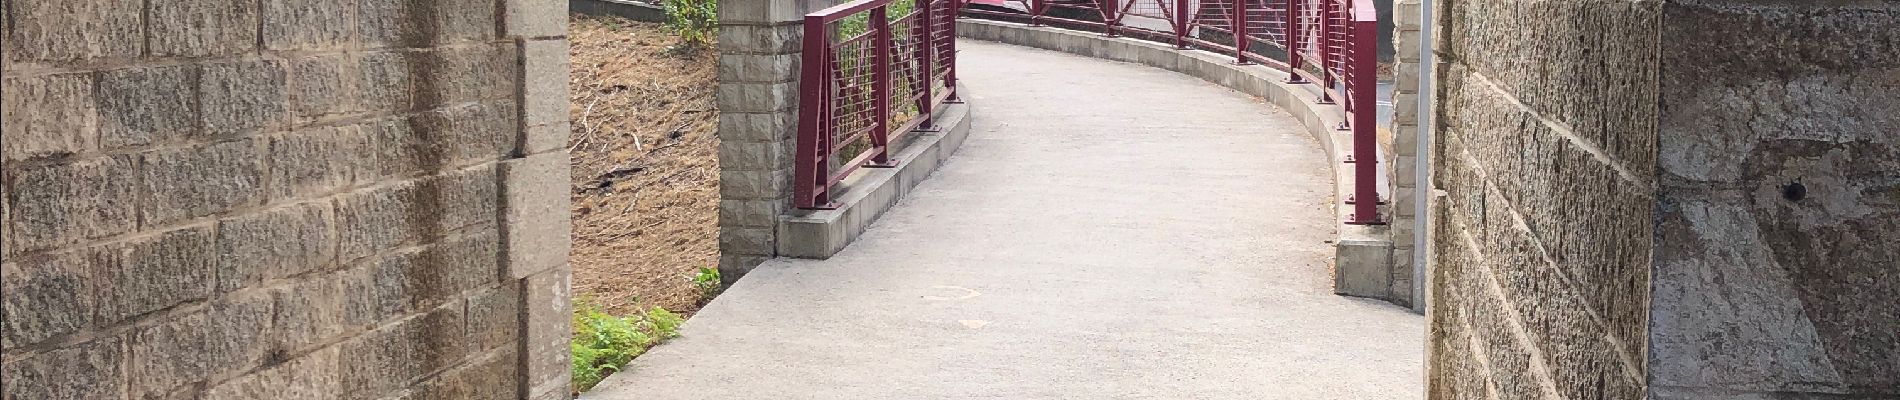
[[861, 22], [696, 22], [603, 343], [707, 281]]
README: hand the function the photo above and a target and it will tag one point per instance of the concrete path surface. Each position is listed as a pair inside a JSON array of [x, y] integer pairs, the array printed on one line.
[[1109, 231]]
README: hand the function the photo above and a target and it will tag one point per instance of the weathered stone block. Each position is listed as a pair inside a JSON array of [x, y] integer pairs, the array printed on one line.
[[492, 376], [199, 181], [772, 155], [742, 240], [48, 116], [545, 306], [545, 138], [758, 39], [62, 204], [385, 360], [544, 81], [494, 317], [535, 221], [757, 97], [385, 23], [463, 74], [308, 24], [317, 161], [314, 376], [758, 127], [225, 337], [201, 27], [322, 86], [154, 273], [383, 80], [744, 184], [421, 279], [273, 244], [63, 30], [46, 297], [762, 68], [750, 213], [87, 370], [241, 97], [310, 311], [534, 18], [387, 217], [440, 139], [142, 106]]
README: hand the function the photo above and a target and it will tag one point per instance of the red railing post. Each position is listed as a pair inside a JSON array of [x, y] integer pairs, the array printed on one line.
[[1111, 17], [881, 86], [925, 33], [1362, 91], [1035, 11], [1325, 45], [811, 171], [950, 70], [1239, 31], [1182, 20], [1292, 38]]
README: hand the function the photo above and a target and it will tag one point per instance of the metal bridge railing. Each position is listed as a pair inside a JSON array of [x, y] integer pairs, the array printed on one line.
[[867, 78], [1331, 43]]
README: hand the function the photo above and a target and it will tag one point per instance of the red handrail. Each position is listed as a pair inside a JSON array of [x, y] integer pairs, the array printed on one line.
[[1330, 43], [859, 92]]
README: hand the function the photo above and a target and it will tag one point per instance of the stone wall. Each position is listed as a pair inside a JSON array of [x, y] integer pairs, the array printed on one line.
[[1546, 152], [1403, 163], [759, 46], [1671, 200], [284, 199], [1777, 256]]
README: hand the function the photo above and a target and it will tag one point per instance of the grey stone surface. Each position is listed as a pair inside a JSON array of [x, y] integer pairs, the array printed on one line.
[[88, 370], [544, 82], [62, 204], [861, 198], [388, 217], [155, 272], [199, 181], [322, 86], [309, 312], [546, 312], [275, 243], [227, 336], [317, 161], [64, 30], [196, 28], [534, 18], [308, 24], [142, 106], [241, 97], [535, 221], [310, 377], [46, 297], [1067, 252], [389, 358], [49, 116]]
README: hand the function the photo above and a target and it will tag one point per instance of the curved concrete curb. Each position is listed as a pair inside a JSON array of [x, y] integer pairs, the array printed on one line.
[[869, 192], [1363, 254]]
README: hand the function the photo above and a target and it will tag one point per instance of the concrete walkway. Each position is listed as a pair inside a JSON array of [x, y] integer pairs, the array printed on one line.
[[1109, 231]]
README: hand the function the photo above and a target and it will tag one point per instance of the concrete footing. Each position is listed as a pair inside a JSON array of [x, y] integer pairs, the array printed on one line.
[[869, 192], [1363, 253]]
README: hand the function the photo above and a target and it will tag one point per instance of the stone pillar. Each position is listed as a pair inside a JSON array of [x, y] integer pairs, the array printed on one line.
[[759, 45], [1405, 136], [1632, 213], [536, 223]]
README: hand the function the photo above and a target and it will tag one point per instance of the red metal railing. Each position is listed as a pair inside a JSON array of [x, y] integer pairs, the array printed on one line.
[[868, 77], [1330, 43]]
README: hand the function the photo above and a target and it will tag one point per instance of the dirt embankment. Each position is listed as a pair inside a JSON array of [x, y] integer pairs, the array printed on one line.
[[646, 169]]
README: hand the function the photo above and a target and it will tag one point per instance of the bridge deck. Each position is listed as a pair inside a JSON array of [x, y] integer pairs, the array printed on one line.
[[1109, 231]]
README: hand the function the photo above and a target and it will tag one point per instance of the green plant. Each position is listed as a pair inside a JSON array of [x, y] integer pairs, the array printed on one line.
[[603, 343], [707, 281], [696, 22]]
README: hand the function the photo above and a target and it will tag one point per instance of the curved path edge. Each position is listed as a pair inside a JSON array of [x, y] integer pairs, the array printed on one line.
[[1363, 254]]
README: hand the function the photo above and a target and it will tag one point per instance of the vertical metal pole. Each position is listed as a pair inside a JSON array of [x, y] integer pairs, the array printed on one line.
[[1363, 89], [1035, 11], [1292, 38], [881, 85], [925, 33], [950, 65], [1324, 43], [1111, 17], [809, 173], [1240, 32], [1182, 20]]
